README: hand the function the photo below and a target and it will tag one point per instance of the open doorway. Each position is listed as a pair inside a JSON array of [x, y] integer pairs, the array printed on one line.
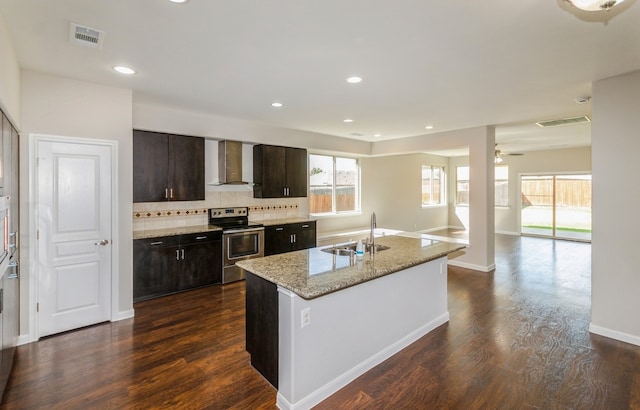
[[557, 206]]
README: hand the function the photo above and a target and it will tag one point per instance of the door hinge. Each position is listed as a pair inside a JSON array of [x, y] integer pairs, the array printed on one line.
[[38, 307], [38, 234], [37, 162]]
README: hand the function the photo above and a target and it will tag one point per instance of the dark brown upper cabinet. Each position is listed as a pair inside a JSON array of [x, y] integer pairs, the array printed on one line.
[[279, 172], [167, 167]]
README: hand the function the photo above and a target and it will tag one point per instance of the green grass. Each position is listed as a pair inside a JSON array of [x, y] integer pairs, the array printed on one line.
[[558, 228]]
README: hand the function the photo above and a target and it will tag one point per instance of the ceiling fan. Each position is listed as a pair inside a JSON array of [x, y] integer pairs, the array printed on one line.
[[499, 154]]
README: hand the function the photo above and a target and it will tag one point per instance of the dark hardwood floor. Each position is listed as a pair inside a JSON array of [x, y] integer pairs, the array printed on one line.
[[517, 338]]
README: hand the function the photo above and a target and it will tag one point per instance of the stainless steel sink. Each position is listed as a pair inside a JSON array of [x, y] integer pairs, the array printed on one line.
[[339, 251], [367, 247], [350, 249]]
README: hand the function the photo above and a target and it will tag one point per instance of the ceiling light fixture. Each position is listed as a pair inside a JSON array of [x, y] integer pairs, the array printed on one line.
[[377, 135], [428, 127], [498, 156], [354, 80], [124, 70], [178, 1], [276, 104], [347, 120], [594, 5]]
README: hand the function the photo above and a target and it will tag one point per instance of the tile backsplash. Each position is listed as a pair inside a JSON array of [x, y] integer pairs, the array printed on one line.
[[163, 215]]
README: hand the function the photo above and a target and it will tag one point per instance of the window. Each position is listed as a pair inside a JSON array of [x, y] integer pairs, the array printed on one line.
[[432, 185], [501, 185], [333, 184], [462, 185]]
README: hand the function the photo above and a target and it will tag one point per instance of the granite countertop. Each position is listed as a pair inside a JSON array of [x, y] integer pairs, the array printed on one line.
[[312, 273], [281, 221], [184, 230]]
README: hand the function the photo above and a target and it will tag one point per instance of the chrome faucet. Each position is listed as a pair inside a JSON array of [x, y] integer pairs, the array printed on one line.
[[372, 240]]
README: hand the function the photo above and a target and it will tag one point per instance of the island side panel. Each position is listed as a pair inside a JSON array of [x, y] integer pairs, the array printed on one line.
[[354, 329], [262, 326]]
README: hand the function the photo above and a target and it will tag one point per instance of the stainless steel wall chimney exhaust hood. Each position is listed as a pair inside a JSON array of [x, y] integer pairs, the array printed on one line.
[[230, 163]]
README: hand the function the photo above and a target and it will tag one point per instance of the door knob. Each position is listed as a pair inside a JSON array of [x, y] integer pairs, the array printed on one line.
[[103, 242]]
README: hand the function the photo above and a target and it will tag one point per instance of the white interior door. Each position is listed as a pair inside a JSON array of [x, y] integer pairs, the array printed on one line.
[[74, 234]]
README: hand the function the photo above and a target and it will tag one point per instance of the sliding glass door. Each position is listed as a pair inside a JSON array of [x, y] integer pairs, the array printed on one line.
[[557, 206]]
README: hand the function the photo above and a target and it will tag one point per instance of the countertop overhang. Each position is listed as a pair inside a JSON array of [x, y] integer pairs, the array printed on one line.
[[312, 273]]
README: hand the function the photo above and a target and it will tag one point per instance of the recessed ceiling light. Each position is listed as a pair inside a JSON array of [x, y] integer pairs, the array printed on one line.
[[178, 1], [354, 80], [429, 127], [377, 135], [276, 104], [347, 120], [124, 70]]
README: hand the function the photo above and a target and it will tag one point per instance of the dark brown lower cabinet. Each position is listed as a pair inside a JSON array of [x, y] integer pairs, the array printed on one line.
[[262, 326], [169, 264], [289, 237]]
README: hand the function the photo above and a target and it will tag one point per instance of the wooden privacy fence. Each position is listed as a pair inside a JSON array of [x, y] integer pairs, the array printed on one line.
[[574, 193], [320, 199]]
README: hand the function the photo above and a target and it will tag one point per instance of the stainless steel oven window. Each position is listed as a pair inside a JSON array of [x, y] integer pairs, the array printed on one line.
[[243, 244]]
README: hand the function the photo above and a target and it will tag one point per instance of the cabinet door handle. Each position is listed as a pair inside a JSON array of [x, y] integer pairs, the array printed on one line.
[[284, 191], [166, 193], [198, 238], [177, 254], [171, 193], [279, 229], [305, 226], [182, 253], [156, 243]]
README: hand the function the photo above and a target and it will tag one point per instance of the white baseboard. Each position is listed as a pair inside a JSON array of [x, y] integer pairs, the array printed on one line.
[[25, 339], [350, 375], [508, 233], [472, 266], [614, 334], [125, 314]]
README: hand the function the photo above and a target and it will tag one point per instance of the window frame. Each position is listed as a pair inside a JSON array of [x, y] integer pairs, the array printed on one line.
[[442, 194], [496, 181], [334, 186]]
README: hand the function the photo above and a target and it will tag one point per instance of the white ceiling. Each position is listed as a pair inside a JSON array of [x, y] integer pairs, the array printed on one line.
[[451, 64]]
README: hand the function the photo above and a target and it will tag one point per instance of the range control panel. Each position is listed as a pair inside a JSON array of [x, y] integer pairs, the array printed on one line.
[[228, 212]]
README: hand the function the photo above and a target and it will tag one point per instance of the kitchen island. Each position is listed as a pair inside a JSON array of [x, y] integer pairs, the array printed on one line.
[[316, 321]]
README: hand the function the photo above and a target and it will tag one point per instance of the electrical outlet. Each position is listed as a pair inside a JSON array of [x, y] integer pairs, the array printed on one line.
[[305, 317]]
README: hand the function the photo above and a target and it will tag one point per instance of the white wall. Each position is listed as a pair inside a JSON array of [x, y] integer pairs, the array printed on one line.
[[58, 106], [9, 77], [394, 186], [615, 277]]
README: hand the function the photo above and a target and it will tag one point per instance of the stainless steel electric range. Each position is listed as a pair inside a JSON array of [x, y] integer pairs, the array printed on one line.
[[240, 239]]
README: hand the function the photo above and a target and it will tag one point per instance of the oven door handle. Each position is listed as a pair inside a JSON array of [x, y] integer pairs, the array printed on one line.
[[244, 230]]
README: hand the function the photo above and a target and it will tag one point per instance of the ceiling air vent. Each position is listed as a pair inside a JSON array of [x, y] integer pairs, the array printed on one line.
[[85, 36], [563, 121]]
